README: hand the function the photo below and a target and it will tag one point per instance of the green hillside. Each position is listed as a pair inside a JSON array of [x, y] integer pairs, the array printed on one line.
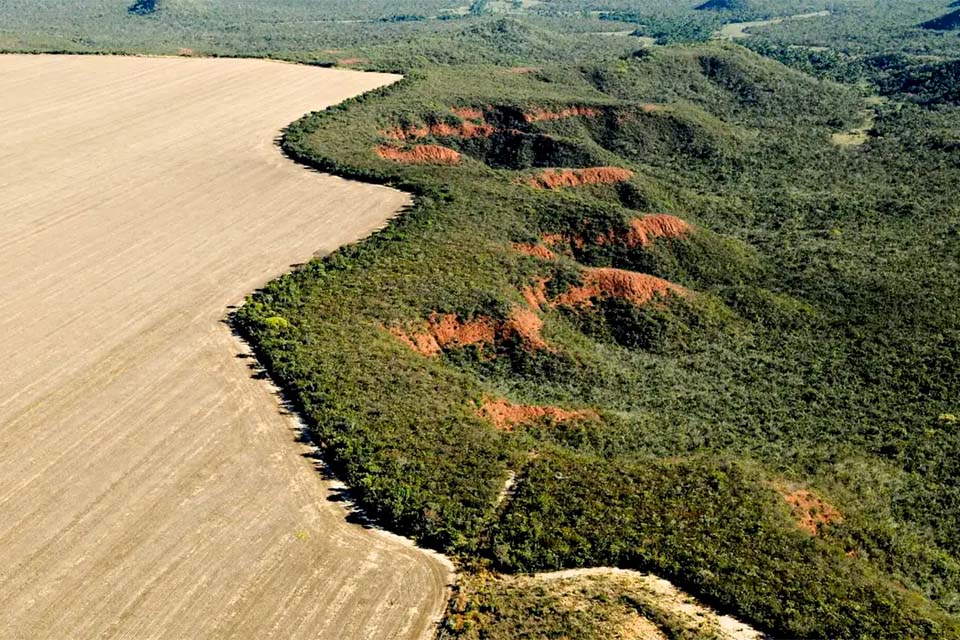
[[948, 22], [708, 342]]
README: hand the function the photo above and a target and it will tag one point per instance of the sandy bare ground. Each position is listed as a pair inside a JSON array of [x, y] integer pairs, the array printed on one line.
[[740, 30], [149, 487], [663, 596]]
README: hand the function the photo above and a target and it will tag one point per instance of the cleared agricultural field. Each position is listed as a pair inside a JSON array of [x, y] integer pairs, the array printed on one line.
[[149, 485]]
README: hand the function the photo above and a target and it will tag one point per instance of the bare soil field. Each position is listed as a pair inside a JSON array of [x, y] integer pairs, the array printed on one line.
[[150, 487], [740, 30]]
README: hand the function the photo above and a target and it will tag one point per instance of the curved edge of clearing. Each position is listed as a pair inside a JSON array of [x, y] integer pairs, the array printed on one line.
[[445, 569]]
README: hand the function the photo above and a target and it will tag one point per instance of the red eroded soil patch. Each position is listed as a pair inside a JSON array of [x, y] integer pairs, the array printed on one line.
[[420, 154], [349, 62], [555, 178], [536, 294], [399, 134], [447, 331], [505, 416], [542, 115], [523, 69], [535, 250], [809, 509], [645, 230], [423, 342], [467, 113], [637, 288], [465, 129], [641, 233], [527, 325]]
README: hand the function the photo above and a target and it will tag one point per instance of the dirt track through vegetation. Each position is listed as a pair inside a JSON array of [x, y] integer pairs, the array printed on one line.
[[149, 485]]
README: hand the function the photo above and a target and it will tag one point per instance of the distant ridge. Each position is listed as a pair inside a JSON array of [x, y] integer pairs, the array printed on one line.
[[948, 22]]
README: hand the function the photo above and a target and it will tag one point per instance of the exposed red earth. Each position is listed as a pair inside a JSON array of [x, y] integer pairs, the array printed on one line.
[[505, 415], [419, 154], [810, 510], [557, 178], [598, 283]]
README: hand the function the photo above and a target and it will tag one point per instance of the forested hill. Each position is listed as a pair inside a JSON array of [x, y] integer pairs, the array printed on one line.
[[707, 329]]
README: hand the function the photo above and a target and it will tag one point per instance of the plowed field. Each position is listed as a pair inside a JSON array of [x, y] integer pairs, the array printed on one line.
[[149, 485]]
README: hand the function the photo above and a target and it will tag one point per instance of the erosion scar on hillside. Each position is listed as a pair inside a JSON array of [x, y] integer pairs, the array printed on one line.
[[149, 485]]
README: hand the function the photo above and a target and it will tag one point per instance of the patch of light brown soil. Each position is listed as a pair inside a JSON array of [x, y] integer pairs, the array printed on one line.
[[420, 154], [662, 596], [636, 627], [544, 115], [150, 487], [467, 113], [809, 510], [634, 287], [555, 178], [505, 415], [658, 602]]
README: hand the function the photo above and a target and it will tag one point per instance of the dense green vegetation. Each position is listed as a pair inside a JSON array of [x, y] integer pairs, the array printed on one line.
[[819, 348], [813, 345]]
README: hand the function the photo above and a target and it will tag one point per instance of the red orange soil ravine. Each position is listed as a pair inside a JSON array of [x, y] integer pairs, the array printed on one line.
[[505, 416], [542, 115], [638, 288], [422, 342], [349, 62], [642, 232], [527, 325], [420, 154], [536, 294], [645, 230], [523, 69], [465, 129], [447, 331], [534, 250], [555, 178], [809, 509]]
